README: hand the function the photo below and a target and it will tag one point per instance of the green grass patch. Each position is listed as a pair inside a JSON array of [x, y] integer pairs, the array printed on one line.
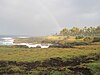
[[38, 54], [95, 67]]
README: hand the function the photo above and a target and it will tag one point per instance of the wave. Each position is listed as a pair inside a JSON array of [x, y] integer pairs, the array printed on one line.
[[6, 41]]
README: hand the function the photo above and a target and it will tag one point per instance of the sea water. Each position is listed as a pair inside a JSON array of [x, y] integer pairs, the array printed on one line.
[[6, 40], [9, 40]]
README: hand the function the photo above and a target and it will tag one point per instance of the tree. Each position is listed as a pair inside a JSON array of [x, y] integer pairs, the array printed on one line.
[[64, 31], [90, 31], [98, 28], [97, 31], [75, 29], [85, 29]]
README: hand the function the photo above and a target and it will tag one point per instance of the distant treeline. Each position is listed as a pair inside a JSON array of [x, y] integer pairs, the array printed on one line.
[[86, 31]]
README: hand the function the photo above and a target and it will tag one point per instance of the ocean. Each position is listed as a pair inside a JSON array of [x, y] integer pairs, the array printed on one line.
[[9, 39]]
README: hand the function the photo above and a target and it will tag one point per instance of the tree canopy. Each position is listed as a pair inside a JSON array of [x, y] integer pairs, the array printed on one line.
[[86, 31]]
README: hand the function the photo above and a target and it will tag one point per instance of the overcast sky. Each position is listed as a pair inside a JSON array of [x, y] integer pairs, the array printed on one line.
[[45, 17]]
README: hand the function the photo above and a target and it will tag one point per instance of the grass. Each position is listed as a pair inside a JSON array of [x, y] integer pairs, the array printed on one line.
[[38, 54], [89, 47], [95, 67], [46, 38]]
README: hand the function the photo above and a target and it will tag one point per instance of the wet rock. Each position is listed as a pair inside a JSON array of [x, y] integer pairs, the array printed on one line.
[[81, 70], [53, 62]]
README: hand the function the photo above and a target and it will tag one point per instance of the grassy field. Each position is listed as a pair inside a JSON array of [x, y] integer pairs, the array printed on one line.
[[80, 60], [33, 54], [95, 67]]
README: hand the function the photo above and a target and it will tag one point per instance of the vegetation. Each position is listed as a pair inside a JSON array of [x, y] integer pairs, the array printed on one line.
[[74, 52], [95, 67], [91, 31], [51, 61], [79, 37], [88, 39], [34, 54], [96, 39]]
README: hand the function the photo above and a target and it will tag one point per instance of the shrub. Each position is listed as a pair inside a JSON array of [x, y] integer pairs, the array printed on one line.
[[68, 37], [88, 39], [95, 67], [11, 69], [79, 37], [20, 46], [67, 45], [78, 43], [58, 73], [96, 39]]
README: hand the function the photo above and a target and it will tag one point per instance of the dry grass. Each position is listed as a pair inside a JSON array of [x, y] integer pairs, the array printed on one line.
[[90, 47], [65, 38]]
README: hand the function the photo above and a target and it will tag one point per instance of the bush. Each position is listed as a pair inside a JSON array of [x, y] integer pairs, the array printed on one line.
[[78, 43], [79, 37], [58, 73], [20, 46], [96, 39], [68, 45], [88, 39], [62, 46], [11, 69], [95, 67]]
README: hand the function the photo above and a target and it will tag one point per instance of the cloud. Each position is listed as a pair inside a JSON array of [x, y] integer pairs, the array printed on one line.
[[44, 17], [79, 13]]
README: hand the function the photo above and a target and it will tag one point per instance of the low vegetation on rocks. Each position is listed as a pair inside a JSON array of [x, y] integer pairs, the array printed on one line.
[[80, 60]]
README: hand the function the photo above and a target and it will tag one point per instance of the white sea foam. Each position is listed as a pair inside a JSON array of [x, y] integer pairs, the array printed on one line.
[[23, 37], [6, 41], [7, 38]]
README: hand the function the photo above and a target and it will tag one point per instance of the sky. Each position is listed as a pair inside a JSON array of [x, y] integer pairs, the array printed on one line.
[[46, 17]]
